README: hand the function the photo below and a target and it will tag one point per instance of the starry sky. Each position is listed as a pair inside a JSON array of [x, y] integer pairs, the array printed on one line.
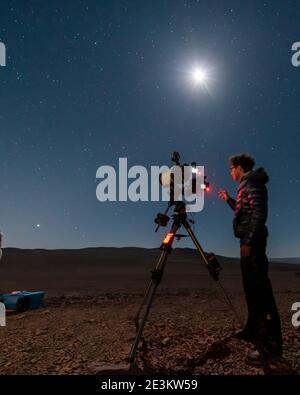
[[87, 82]]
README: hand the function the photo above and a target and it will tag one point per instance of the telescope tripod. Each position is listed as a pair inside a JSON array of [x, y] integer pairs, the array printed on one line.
[[210, 260]]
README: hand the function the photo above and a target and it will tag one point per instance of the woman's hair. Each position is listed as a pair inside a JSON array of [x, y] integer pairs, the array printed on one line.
[[244, 160]]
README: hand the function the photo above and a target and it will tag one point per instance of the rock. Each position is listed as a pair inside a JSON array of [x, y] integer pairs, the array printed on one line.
[[165, 341], [40, 332], [20, 316], [45, 312], [105, 368]]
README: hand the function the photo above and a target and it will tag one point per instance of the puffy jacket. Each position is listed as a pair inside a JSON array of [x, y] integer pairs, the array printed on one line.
[[251, 207]]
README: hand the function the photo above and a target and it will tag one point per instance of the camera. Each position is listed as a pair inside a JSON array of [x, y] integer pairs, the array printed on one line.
[[181, 178]]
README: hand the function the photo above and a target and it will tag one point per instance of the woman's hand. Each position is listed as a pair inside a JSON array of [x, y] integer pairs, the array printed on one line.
[[223, 194], [245, 251]]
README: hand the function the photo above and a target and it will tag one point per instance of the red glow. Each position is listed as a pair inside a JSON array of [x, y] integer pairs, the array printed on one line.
[[168, 237]]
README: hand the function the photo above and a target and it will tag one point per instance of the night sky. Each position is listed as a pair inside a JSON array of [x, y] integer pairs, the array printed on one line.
[[87, 82]]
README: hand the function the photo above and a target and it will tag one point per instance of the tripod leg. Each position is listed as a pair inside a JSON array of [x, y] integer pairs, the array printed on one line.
[[136, 319], [158, 268], [203, 254], [195, 241], [157, 273], [148, 300]]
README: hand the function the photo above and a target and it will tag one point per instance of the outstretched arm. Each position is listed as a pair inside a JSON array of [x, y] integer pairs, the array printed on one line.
[[224, 195], [231, 202]]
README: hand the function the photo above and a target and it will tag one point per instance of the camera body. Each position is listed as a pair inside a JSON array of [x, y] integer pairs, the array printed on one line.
[[182, 178]]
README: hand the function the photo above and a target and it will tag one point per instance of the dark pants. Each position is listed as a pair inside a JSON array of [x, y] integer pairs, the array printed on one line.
[[263, 318]]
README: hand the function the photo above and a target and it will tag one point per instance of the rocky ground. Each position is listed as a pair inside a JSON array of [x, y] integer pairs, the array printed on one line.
[[92, 334]]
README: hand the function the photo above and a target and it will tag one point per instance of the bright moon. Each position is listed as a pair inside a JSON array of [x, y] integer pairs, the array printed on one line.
[[199, 76]]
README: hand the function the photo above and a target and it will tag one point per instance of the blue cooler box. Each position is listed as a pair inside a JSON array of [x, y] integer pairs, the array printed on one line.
[[22, 300]]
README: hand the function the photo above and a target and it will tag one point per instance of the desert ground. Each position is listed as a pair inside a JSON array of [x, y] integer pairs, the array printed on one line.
[[86, 324]]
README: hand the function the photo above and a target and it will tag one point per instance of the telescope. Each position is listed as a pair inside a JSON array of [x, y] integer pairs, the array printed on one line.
[[182, 178], [180, 219]]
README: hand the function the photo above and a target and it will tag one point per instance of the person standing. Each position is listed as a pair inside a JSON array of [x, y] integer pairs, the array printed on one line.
[[263, 326]]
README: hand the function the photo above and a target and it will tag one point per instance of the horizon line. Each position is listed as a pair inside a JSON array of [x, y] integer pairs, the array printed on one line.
[[145, 248]]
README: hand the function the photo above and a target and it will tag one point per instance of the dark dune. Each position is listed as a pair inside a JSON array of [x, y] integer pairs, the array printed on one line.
[[97, 270]]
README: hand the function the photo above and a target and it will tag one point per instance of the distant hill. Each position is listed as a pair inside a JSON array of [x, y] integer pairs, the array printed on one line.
[[287, 260], [108, 269], [182, 252]]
